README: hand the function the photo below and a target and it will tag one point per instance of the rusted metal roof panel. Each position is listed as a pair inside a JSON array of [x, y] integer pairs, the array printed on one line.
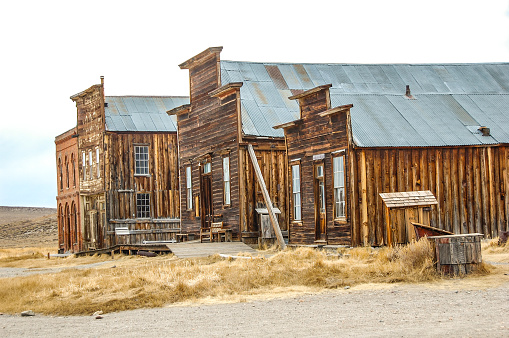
[[449, 103], [142, 113]]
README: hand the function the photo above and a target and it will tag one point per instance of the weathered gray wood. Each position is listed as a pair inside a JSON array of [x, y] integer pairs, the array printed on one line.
[[194, 249], [266, 196]]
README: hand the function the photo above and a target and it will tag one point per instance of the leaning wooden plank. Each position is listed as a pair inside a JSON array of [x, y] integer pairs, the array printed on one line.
[[266, 196]]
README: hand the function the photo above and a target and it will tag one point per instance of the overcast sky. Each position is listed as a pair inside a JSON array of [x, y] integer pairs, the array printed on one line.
[[54, 49]]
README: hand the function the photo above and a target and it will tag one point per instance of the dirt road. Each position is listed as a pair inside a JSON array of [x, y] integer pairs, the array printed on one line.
[[395, 311]]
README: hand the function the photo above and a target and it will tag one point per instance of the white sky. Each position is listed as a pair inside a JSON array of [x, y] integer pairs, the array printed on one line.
[[54, 49]]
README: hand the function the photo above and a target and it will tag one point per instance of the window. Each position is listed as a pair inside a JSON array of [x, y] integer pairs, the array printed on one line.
[[207, 168], [142, 205], [141, 160], [297, 215], [338, 166], [73, 170], [226, 180], [97, 162], [60, 174], [90, 164], [67, 173], [189, 189], [84, 165], [320, 184]]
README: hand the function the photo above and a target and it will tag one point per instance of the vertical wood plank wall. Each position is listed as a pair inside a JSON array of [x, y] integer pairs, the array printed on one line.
[[273, 166], [208, 131], [470, 184], [162, 183], [317, 135]]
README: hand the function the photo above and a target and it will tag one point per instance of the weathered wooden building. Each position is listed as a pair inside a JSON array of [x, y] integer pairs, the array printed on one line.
[[68, 205], [127, 168], [361, 130], [329, 138], [217, 177]]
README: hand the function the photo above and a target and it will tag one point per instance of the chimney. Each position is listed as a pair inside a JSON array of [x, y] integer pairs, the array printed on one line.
[[102, 80], [408, 93], [485, 131]]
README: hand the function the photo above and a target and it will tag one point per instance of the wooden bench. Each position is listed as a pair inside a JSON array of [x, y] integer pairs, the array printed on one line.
[[182, 237], [216, 230]]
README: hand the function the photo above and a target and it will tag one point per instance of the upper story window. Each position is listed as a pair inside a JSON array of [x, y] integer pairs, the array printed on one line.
[[338, 167], [90, 164], [67, 173], [97, 162], [84, 165], [73, 167], [60, 175], [141, 160], [189, 188], [226, 180], [297, 214]]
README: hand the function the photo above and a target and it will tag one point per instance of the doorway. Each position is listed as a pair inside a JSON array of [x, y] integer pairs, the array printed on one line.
[[206, 196], [320, 211]]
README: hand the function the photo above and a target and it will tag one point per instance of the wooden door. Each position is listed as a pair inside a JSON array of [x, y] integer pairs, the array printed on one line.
[[319, 188], [206, 201]]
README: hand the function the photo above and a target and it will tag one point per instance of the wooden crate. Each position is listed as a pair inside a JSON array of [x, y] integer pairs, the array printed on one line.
[[457, 254]]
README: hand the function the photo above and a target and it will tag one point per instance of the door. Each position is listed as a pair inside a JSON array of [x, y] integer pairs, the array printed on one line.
[[319, 187], [206, 197]]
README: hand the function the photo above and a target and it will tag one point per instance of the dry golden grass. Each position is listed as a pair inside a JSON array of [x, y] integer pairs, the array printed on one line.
[[137, 282], [33, 258]]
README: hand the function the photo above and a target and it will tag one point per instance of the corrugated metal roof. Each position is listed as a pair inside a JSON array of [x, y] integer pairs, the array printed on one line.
[[142, 113], [451, 100]]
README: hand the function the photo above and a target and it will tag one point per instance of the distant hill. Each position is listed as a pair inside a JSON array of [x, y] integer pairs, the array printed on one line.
[[28, 226]]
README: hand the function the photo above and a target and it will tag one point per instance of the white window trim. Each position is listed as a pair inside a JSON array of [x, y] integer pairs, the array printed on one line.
[[189, 188], [226, 181], [144, 170], [91, 164], [97, 162], [337, 186], [296, 193]]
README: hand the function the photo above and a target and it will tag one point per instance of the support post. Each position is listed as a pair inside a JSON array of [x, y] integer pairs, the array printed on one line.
[[266, 197]]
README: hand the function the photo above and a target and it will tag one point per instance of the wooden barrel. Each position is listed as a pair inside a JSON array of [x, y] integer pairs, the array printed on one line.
[[457, 254]]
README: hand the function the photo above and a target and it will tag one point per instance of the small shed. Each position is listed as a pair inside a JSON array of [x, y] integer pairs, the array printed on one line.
[[403, 208]]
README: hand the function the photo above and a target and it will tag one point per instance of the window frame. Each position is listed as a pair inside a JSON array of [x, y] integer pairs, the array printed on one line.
[[144, 170], [84, 165], [227, 198], [295, 193], [143, 205], [189, 187], [67, 172], [90, 164], [339, 154], [73, 164], [97, 162], [60, 175]]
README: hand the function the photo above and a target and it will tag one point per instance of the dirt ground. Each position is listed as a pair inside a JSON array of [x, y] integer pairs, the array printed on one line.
[[377, 311], [468, 307]]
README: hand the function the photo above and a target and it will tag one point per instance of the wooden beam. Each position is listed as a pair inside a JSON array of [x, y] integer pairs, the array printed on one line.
[[266, 197], [364, 202]]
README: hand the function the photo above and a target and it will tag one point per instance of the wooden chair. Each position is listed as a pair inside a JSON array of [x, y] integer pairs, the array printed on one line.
[[205, 233], [216, 229]]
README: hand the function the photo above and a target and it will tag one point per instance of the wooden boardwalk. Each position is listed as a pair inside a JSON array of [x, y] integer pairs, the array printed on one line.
[[197, 249]]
